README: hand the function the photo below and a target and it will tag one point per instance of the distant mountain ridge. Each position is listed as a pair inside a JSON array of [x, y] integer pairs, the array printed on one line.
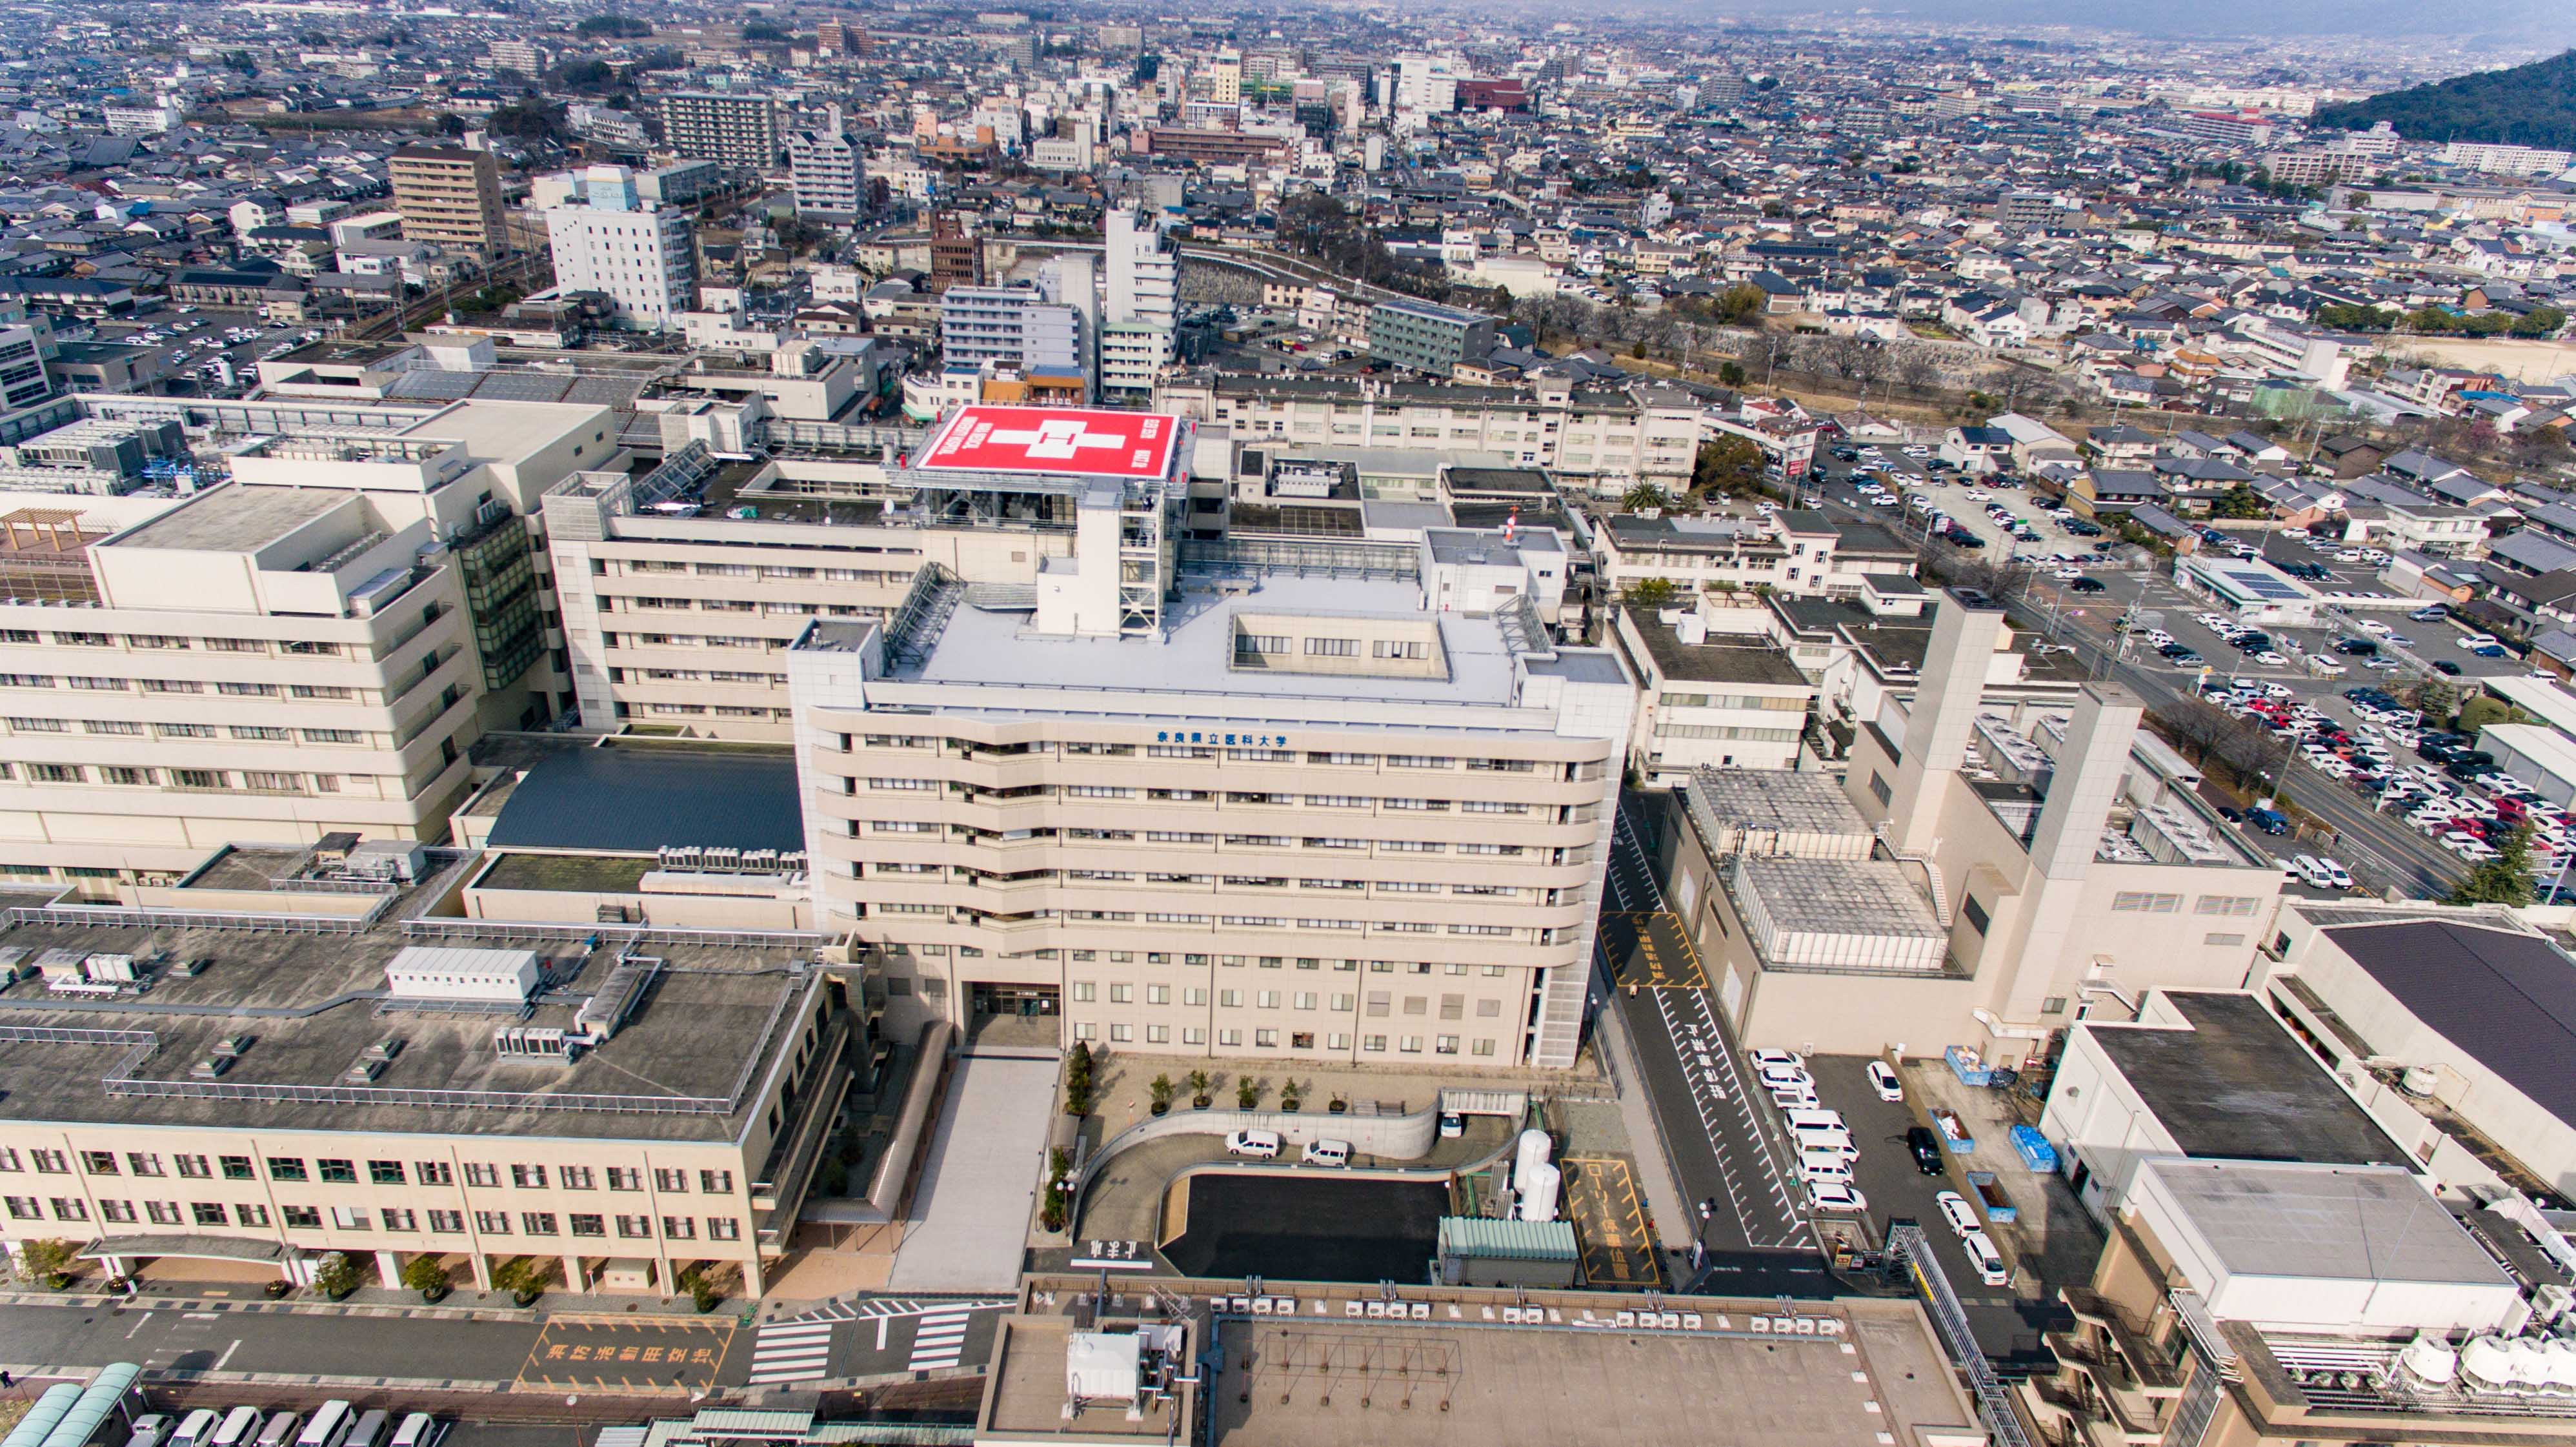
[[2529, 105]]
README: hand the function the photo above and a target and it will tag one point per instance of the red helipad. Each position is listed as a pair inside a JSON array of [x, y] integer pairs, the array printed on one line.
[[1087, 442]]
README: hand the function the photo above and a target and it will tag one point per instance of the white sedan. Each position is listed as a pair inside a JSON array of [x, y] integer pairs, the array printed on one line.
[[1882, 1078], [1834, 1196]]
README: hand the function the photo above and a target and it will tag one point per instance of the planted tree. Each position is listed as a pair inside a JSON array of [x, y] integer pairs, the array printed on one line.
[[1052, 1209], [2505, 879], [337, 1276], [1162, 1089], [1247, 1092], [49, 1261], [1078, 1083], [1648, 594], [429, 1276], [1198, 1082]]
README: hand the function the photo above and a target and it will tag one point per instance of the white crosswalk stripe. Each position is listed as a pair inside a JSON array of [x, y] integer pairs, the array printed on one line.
[[791, 1352], [940, 1340]]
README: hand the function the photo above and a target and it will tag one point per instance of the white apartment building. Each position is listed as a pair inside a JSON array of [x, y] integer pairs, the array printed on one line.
[[1018, 326], [1253, 815], [1795, 552], [828, 168], [1600, 439], [2507, 160], [636, 252], [1141, 299]]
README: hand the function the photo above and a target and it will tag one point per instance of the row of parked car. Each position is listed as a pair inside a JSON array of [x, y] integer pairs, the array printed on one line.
[[1827, 1153], [333, 1424]]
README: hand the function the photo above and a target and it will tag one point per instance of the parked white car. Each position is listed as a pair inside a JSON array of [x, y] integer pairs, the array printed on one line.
[[1882, 1078], [1956, 1210]]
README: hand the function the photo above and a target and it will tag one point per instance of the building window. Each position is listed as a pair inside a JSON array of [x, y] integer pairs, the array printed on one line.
[[1879, 790], [586, 1224], [635, 1227], [1974, 913], [286, 1168], [447, 1223], [385, 1173], [482, 1173], [492, 1223], [2140, 901]]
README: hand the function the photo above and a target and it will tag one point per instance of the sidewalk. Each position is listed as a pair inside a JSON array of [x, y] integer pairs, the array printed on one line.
[[462, 1305]]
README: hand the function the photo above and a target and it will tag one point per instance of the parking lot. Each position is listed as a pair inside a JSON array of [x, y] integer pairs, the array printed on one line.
[[2008, 1319], [187, 342]]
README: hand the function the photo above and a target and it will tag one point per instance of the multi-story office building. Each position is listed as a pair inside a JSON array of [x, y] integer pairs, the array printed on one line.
[[737, 130], [828, 168], [449, 197], [425, 1078], [1241, 813], [1428, 338], [1602, 439], [2031, 868], [638, 253]]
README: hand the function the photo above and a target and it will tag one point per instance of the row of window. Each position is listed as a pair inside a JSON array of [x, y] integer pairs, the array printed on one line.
[[928, 872], [767, 570], [161, 642], [1224, 921], [359, 1218], [302, 692], [128, 728], [2146, 901], [1268, 799], [254, 781], [1270, 1039], [342, 1170], [1783, 704], [1208, 750], [1380, 1002], [1196, 839]]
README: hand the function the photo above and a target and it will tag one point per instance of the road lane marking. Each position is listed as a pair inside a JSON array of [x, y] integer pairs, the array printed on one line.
[[228, 1354]]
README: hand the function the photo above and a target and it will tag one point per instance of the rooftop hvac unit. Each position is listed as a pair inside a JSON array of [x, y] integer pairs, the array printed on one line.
[[110, 967], [543, 1042], [362, 1072], [403, 860], [61, 964], [232, 1045], [212, 1067], [384, 1049]]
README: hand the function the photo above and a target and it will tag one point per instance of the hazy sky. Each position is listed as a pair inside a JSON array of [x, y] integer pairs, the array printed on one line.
[[2542, 24]]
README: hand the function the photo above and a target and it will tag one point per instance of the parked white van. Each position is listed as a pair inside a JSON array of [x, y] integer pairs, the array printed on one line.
[[1328, 1153]]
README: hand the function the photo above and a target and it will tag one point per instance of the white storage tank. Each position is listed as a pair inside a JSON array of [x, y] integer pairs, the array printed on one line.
[[1530, 1152], [1539, 1186]]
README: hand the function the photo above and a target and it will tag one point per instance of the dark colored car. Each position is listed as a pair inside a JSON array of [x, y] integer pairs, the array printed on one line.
[[2232, 816], [2083, 529], [2085, 585], [2446, 667], [2357, 647], [2270, 821], [1926, 1148]]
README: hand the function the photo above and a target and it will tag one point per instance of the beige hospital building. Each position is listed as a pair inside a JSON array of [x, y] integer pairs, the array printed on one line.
[[1985, 875]]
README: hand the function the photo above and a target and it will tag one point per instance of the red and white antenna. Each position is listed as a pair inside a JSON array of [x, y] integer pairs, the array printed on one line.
[[1512, 526]]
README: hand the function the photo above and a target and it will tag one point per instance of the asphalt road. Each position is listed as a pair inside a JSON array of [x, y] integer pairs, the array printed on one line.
[[856, 1337], [1755, 1238], [272, 1343]]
